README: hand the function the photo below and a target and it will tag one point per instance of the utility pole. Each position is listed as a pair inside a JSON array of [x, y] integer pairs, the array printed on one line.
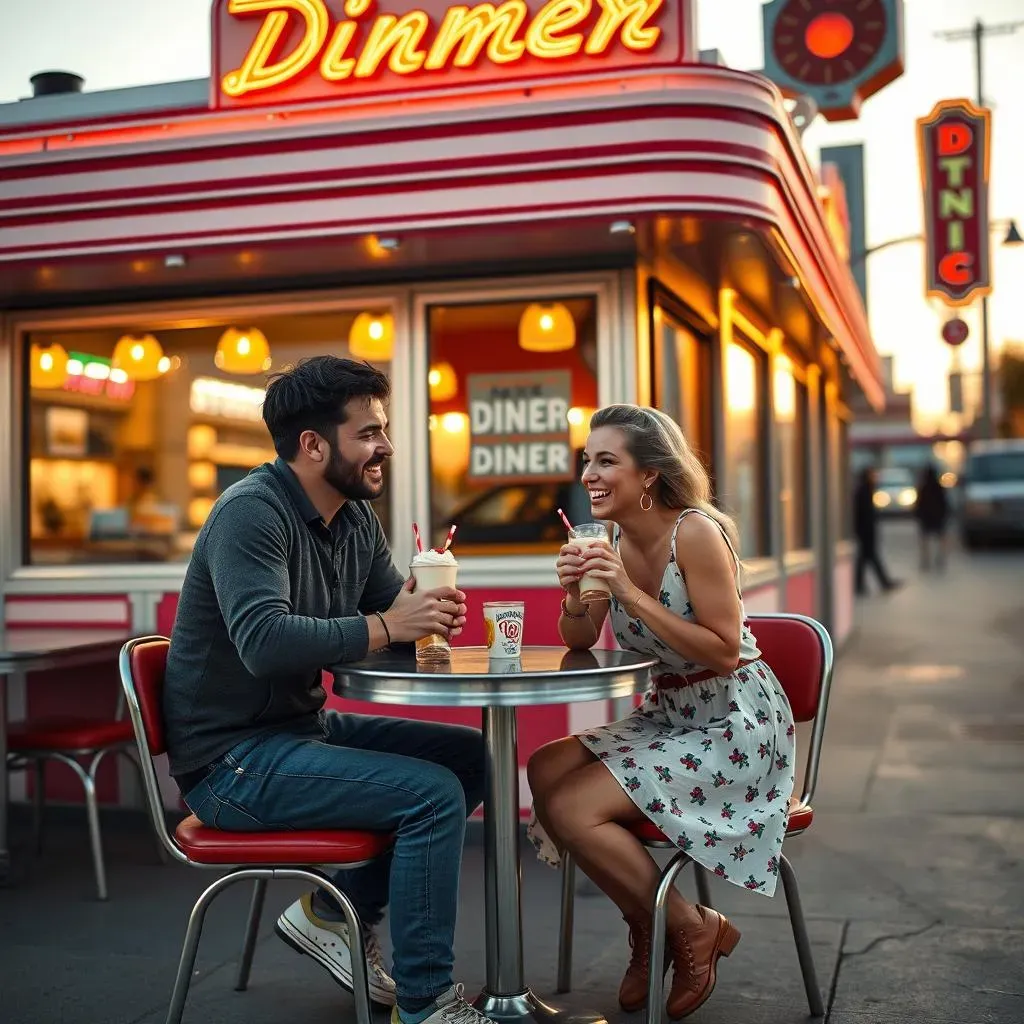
[[977, 33]]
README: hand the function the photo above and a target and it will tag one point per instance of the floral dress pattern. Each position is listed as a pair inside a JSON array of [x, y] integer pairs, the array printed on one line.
[[710, 762]]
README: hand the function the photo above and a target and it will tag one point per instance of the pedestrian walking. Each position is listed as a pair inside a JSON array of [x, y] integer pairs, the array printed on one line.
[[865, 528], [932, 514]]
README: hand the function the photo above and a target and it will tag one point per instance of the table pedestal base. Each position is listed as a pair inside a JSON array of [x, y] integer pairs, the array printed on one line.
[[526, 1008]]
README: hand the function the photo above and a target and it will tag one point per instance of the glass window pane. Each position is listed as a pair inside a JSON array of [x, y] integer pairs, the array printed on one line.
[[743, 448], [791, 418], [508, 423], [123, 469], [682, 382]]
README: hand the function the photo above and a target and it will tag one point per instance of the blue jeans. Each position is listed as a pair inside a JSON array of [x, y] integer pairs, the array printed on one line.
[[419, 780]]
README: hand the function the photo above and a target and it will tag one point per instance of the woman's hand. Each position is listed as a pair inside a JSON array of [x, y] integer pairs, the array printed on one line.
[[568, 567], [602, 561]]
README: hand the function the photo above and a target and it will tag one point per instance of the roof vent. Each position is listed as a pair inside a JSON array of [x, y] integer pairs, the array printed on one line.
[[54, 83]]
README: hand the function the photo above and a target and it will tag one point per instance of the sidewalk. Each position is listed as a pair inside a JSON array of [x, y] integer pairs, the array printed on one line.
[[912, 875]]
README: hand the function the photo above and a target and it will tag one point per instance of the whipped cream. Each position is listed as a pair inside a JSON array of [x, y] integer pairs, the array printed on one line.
[[432, 557]]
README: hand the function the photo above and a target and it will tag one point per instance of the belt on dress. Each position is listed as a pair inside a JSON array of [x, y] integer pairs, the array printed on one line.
[[674, 681]]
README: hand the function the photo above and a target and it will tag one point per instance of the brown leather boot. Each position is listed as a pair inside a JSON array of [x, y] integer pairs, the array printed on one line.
[[695, 954], [633, 990]]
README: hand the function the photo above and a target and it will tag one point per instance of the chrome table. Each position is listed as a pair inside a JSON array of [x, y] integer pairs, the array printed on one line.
[[34, 650], [543, 675]]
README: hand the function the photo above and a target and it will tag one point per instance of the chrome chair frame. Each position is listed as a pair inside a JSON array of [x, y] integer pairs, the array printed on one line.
[[259, 873], [656, 985]]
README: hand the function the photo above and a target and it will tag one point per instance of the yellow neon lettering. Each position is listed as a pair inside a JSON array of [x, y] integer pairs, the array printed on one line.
[[335, 67], [399, 35], [542, 38], [255, 73], [632, 16], [465, 30]]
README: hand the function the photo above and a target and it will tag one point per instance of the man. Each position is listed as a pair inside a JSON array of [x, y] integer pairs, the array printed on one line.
[[292, 574], [865, 529]]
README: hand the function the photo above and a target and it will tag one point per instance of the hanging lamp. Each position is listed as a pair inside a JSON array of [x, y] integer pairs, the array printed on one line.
[[372, 337], [243, 351], [444, 384], [142, 358], [547, 328], [48, 366]]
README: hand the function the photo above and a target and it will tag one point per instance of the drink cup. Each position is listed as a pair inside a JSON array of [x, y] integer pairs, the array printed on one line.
[[503, 622], [432, 570], [583, 536]]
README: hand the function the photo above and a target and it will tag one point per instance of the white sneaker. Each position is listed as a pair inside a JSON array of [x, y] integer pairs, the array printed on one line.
[[327, 943], [451, 1009]]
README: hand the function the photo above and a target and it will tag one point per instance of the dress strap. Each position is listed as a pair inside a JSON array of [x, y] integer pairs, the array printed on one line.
[[721, 530]]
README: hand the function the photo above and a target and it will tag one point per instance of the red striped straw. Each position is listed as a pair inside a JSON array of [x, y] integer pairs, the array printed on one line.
[[562, 516], [416, 534], [448, 542]]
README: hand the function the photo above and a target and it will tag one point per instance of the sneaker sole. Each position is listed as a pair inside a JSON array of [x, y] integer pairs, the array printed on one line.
[[301, 944]]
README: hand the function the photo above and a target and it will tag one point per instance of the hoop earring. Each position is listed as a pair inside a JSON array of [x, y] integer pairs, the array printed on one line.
[[650, 501]]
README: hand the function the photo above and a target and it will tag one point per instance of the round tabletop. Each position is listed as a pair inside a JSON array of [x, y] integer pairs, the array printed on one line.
[[542, 675]]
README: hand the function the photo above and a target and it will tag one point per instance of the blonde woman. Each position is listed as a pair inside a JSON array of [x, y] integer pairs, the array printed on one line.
[[708, 754]]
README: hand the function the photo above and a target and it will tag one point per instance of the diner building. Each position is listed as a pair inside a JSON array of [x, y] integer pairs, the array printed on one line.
[[520, 213]]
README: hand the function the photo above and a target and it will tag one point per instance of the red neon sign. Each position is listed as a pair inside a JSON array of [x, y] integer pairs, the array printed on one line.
[[954, 142], [273, 52]]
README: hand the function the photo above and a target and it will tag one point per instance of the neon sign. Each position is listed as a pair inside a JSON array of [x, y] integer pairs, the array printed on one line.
[[268, 52], [954, 143]]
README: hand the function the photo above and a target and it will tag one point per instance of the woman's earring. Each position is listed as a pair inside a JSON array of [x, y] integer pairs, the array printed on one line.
[[650, 500]]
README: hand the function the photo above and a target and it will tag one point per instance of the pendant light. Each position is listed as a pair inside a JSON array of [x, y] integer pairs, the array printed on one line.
[[547, 328], [444, 384], [372, 337], [48, 366], [243, 351], [141, 358]]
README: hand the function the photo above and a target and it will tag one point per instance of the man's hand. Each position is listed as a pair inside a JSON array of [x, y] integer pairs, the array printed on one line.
[[417, 614]]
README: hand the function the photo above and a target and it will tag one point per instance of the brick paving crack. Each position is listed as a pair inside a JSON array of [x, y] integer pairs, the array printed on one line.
[[833, 988], [895, 937]]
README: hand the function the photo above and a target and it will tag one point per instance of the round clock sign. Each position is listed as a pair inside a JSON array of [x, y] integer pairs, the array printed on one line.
[[838, 52]]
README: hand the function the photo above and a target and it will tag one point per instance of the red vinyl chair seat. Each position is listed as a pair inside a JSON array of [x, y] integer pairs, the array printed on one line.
[[68, 734], [280, 848], [800, 817]]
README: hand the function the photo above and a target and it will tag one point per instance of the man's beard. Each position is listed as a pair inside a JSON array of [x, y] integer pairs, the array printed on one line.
[[348, 480]]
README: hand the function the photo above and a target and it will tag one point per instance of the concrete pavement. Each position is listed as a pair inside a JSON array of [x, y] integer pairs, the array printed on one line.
[[912, 874]]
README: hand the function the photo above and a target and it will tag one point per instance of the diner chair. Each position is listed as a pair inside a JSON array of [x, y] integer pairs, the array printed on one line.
[[799, 651], [243, 856], [72, 740]]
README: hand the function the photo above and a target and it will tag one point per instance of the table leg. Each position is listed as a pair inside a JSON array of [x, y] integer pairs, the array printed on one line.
[[5, 857], [505, 997]]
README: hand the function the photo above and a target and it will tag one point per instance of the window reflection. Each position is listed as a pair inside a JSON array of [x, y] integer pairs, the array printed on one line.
[[683, 381], [512, 388], [744, 448], [790, 397], [125, 468]]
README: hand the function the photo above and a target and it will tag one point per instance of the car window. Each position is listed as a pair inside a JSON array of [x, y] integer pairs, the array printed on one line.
[[895, 478], [997, 467]]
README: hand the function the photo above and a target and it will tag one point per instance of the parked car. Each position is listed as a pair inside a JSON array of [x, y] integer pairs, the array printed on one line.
[[895, 491], [993, 492]]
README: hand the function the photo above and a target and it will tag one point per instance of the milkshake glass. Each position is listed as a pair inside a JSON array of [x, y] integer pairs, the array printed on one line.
[[431, 570], [583, 536]]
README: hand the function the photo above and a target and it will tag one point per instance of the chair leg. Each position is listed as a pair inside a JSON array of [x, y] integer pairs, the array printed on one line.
[[360, 982], [565, 925], [659, 927], [703, 886], [38, 802], [133, 760], [88, 779], [803, 942], [259, 893], [189, 949]]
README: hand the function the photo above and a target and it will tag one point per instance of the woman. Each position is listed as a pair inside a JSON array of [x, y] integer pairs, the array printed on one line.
[[708, 755], [932, 513]]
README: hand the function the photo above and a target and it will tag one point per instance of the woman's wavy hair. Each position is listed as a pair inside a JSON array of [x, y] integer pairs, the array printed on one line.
[[655, 442]]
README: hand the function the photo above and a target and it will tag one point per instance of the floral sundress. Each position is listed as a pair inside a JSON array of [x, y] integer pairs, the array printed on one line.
[[711, 762]]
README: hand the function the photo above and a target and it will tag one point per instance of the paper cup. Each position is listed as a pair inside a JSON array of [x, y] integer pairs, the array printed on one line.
[[503, 623]]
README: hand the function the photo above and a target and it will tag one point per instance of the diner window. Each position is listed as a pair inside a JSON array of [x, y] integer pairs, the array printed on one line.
[[745, 461], [682, 380], [790, 396], [512, 387], [133, 434]]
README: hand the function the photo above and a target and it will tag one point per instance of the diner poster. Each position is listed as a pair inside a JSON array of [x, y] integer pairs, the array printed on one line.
[[519, 427]]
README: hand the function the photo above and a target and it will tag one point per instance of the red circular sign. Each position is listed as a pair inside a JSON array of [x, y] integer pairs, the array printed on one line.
[[955, 331], [829, 35]]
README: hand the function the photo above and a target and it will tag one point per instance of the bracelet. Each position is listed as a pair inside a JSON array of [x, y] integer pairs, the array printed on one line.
[[569, 615], [387, 632], [629, 605]]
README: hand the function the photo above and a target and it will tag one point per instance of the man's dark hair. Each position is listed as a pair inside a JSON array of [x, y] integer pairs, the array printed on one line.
[[313, 394]]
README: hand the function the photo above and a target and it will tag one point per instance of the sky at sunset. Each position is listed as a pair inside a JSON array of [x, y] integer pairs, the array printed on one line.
[[115, 43]]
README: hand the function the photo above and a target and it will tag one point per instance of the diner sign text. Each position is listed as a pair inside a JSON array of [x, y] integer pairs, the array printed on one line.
[[271, 52], [519, 427], [954, 143]]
